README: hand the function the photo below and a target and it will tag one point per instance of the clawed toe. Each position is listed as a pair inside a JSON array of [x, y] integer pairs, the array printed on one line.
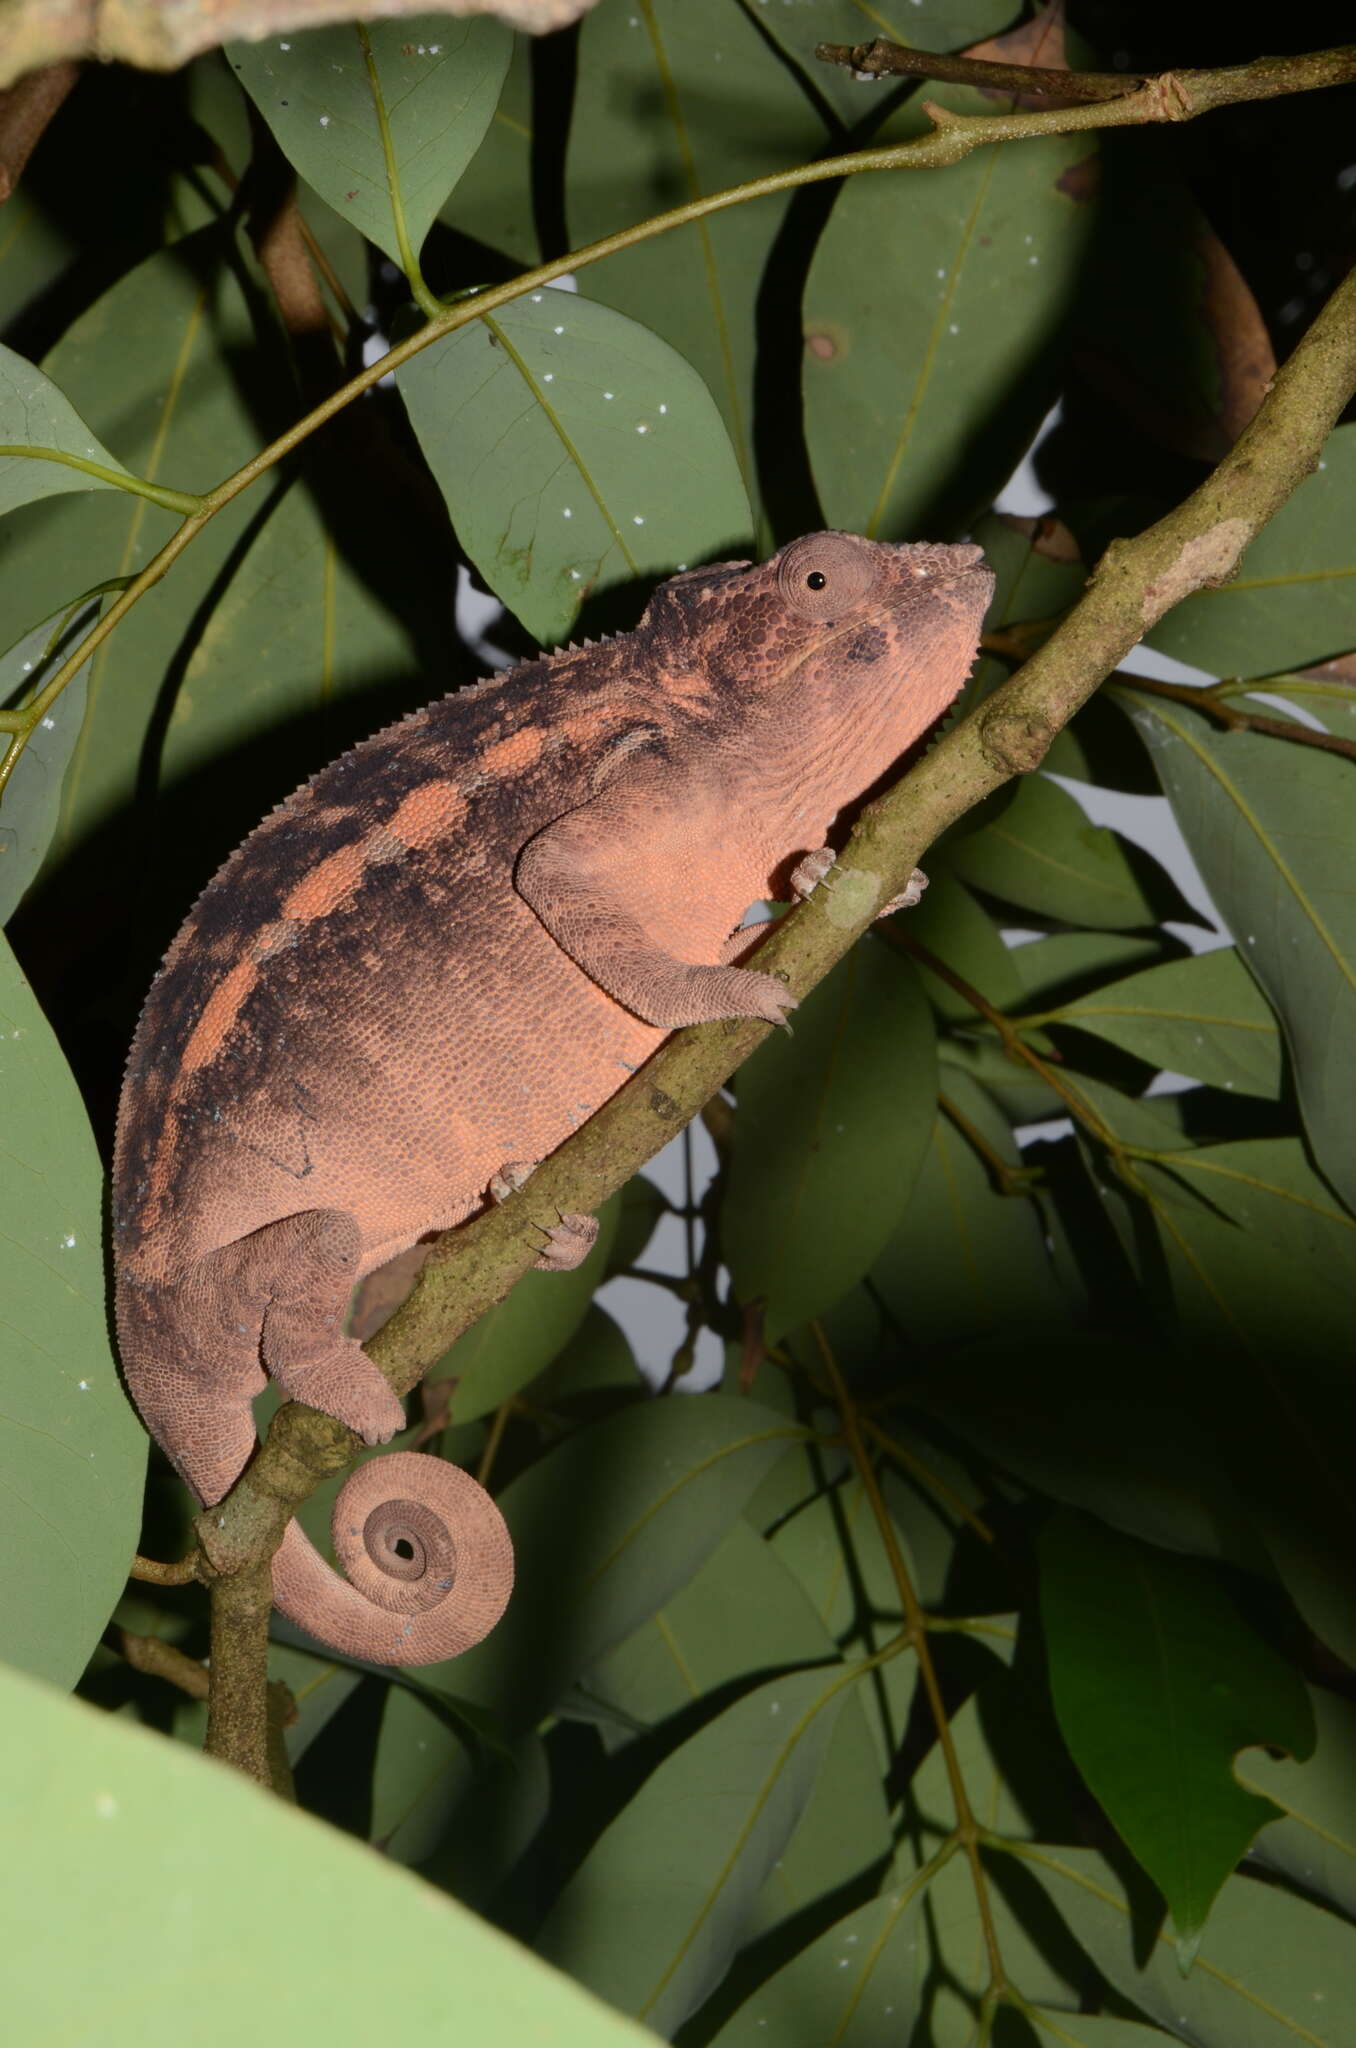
[[568, 1244]]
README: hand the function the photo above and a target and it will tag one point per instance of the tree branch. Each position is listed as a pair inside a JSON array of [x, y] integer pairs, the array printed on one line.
[[473, 1267]]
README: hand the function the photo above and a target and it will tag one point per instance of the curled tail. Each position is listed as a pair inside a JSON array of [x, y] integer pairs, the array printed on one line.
[[428, 1558]]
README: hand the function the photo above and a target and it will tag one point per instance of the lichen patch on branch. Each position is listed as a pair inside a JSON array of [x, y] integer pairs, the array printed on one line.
[[1211, 557]]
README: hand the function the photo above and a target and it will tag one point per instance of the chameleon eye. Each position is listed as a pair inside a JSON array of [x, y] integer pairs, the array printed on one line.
[[826, 575]]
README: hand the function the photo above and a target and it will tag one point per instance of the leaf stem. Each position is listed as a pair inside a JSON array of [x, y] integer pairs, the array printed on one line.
[[123, 479], [916, 1633]]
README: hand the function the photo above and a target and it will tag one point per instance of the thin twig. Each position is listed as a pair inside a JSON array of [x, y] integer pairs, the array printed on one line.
[[1210, 698], [164, 1660], [882, 59], [181, 1572]]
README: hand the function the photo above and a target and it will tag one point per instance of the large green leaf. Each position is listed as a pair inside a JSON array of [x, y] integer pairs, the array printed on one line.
[[72, 1451], [435, 86], [743, 1615], [1292, 599], [675, 99], [1204, 1016], [1272, 1972], [965, 1258], [108, 1824], [832, 1127], [1046, 855], [606, 1528], [515, 1341], [857, 1986], [151, 362], [32, 798], [927, 374], [36, 414], [951, 924], [576, 450], [1048, 969], [1158, 1683], [493, 199], [1275, 840], [1315, 1843], [723, 1806], [295, 631]]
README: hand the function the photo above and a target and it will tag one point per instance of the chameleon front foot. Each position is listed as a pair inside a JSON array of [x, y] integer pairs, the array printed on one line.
[[810, 871]]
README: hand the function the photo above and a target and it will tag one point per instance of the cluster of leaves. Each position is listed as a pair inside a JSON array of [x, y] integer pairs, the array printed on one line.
[[861, 1699]]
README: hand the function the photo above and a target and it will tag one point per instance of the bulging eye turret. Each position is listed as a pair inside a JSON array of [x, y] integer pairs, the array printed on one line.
[[826, 575]]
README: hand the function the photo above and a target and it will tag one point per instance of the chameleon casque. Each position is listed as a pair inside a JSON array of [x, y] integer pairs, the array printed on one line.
[[439, 956]]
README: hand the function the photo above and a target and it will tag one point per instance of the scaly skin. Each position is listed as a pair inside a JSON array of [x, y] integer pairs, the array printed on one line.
[[438, 957]]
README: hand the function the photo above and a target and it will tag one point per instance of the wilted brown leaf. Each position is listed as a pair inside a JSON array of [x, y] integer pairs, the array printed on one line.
[[25, 111], [1238, 333], [157, 36], [1049, 537], [1341, 669]]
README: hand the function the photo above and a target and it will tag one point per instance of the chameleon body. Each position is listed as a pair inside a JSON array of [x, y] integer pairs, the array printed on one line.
[[439, 956]]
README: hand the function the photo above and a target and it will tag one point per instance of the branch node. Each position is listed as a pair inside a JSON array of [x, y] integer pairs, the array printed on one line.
[[1015, 742]]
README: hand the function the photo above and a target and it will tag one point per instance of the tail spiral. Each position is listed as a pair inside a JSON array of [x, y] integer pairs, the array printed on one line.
[[428, 1558]]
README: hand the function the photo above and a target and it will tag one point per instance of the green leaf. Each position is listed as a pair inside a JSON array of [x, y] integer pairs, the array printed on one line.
[[1315, 1844], [832, 1128], [924, 379], [493, 200], [1047, 968], [1204, 1016], [107, 1823], [34, 412], [724, 1806], [1022, 1095], [152, 359], [1072, 2030], [1045, 855], [606, 1528], [857, 1986], [1158, 1682], [295, 631], [674, 99], [437, 81], [1264, 1283], [575, 450], [966, 1259], [72, 1451], [32, 799], [1272, 1970], [951, 924], [742, 1615], [1292, 599], [1275, 841], [516, 1340]]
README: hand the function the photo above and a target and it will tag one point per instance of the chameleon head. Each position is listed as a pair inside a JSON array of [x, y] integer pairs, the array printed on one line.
[[874, 637]]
